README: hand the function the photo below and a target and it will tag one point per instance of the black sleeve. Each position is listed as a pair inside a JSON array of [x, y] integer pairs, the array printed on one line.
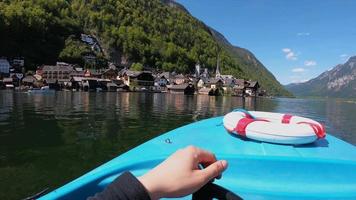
[[124, 187]]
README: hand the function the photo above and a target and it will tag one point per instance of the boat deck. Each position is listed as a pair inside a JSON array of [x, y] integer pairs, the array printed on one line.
[[325, 169]]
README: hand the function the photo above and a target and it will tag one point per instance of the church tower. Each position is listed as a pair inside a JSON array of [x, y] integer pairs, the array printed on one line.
[[217, 72], [197, 70]]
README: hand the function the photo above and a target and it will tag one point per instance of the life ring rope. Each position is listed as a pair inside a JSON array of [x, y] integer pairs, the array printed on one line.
[[319, 130], [247, 113], [286, 118], [243, 123]]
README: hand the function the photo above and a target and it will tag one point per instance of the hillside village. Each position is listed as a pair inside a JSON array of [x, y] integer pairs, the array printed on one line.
[[64, 76], [124, 78]]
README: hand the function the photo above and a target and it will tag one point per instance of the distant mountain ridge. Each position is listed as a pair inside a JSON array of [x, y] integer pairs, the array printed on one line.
[[337, 82]]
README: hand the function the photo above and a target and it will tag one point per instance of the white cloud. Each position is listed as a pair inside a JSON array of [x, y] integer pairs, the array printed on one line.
[[303, 34], [300, 81], [290, 55], [298, 70], [310, 63], [344, 57], [286, 50]]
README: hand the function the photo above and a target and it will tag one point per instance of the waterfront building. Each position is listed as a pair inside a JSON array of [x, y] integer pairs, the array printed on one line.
[[56, 72], [18, 62], [134, 79], [94, 73], [252, 88], [90, 83], [239, 88], [77, 72], [4, 66], [179, 79], [77, 82], [162, 79], [110, 74], [229, 83], [185, 88], [9, 83], [203, 81], [215, 83], [204, 90], [29, 80]]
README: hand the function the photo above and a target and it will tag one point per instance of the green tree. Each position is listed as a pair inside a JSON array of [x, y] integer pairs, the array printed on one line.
[[136, 67]]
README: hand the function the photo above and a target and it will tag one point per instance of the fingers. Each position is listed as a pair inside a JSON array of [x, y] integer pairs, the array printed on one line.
[[201, 156], [205, 157], [213, 170]]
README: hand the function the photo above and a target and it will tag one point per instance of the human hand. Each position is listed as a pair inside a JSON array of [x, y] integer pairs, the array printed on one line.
[[180, 175]]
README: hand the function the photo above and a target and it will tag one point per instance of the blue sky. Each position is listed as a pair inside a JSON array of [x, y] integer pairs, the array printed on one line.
[[295, 40]]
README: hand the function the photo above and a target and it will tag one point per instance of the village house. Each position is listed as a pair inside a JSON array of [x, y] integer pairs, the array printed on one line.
[[252, 88], [17, 65], [162, 79], [203, 81], [185, 88], [107, 85], [112, 87], [179, 79], [77, 72], [56, 72], [9, 83], [29, 81], [110, 74], [204, 90], [215, 83], [161, 82], [4, 66], [93, 73], [229, 83], [90, 83], [137, 79], [18, 62], [77, 83], [239, 88]]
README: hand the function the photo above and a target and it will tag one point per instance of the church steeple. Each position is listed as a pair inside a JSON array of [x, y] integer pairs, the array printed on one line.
[[197, 70], [217, 72]]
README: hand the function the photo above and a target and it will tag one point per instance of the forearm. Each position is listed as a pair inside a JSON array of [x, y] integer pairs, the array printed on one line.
[[125, 187]]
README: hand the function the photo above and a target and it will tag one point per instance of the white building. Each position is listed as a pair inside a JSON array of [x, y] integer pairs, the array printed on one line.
[[4, 66]]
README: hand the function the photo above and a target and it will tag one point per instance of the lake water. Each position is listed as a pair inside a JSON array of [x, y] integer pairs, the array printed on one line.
[[48, 140]]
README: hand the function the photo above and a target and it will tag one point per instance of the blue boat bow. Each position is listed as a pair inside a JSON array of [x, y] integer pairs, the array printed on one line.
[[325, 169]]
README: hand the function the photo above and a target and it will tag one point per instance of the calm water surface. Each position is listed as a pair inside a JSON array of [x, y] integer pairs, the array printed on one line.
[[48, 140]]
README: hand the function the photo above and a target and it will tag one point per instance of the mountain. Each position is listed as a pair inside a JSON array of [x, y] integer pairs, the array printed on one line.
[[337, 82], [253, 68], [159, 34]]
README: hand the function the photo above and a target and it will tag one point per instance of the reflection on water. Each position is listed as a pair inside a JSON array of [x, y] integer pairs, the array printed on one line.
[[47, 140]]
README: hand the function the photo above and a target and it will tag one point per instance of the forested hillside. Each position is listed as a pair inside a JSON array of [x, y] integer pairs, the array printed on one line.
[[140, 31]]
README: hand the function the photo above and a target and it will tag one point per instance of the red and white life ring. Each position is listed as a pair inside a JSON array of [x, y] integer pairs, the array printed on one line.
[[273, 127]]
